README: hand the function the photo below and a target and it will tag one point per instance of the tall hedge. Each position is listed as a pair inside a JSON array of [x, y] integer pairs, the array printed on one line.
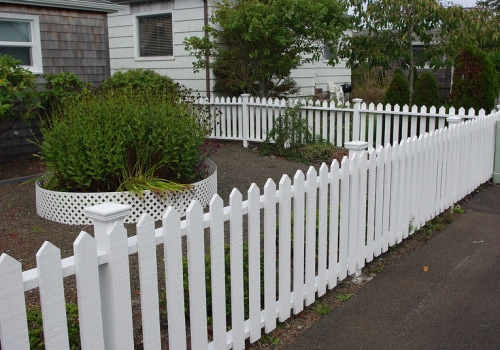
[[399, 90], [426, 91], [475, 83]]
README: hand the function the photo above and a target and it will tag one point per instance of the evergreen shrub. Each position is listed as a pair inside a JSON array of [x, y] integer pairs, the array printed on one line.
[[398, 91], [426, 91], [475, 81]]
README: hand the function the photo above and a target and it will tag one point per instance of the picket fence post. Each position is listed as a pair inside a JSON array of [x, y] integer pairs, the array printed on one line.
[[246, 118], [356, 147], [356, 119], [114, 277]]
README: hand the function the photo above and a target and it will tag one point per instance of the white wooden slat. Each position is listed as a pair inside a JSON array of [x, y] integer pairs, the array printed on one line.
[[387, 127], [379, 200], [284, 246], [13, 324], [333, 232], [370, 217], [298, 241], [322, 229], [89, 297], [394, 204], [339, 118], [310, 266], [196, 276], [380, 119], [352, 245], [236, 267], [55, 328], [172, 248], [344, 217], [387, 198], [270, 255], [362, 235], [254, 263], [347, 128], [218, 273], [148, 277]]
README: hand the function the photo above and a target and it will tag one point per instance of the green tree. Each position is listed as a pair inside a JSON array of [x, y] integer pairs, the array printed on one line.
[[399, 90], [254, 44], [475, 83], [426, 91]]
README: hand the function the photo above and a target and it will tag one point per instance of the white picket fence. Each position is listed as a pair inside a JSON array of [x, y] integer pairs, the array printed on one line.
[[246, 118], [316, 230]]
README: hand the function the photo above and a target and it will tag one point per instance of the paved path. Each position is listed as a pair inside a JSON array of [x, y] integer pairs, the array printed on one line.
[[454, 305]]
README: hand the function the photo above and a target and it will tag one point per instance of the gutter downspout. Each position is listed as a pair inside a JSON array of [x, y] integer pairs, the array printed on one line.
[[207, 56]]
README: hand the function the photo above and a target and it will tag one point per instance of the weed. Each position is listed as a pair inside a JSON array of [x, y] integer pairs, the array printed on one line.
[[268, 339], [457, 209], [322, 308], [344, 297]]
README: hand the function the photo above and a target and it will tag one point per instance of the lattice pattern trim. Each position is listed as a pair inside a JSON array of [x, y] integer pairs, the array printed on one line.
[[67, 207]]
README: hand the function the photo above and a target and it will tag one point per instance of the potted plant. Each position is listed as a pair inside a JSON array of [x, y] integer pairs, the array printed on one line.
[[137, 140]]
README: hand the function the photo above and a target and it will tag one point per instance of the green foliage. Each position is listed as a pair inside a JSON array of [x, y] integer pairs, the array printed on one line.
[[253, 45], [59, 87], [495, 59], [138, 79], [35, 325], [116, 139], [18, 90], [426, 91], [322, 308], [399, 91], [475, 81], [344, 297], [290, 132], [320, 151], [371, 82]]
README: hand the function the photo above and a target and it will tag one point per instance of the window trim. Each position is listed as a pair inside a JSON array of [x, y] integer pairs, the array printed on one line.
[[137, 36], [36, 46]]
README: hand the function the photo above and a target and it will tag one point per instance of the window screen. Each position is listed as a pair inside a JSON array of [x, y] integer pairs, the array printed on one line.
[[15, 40], [155, 35]]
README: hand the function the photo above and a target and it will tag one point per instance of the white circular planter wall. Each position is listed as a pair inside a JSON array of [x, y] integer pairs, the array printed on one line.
[[67, 207]]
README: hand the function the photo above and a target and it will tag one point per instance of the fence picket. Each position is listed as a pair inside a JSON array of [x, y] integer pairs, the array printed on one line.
[[333, 234], [284, 246], [196, 276], [344, 217], [298, 241], [89, 297], [236, 270], [254, 263], [174, 280], [270, 255], [13, 324], [370, 198], [148, 277], [310, 226], [322, 229], [55, 328]]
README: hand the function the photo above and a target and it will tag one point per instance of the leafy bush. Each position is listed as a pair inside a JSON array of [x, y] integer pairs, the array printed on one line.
[[123, 139], [426, 91], [475, 81], [60, 87], [322, 151], [35, 325], [138, 79], [18, 90], [399, 90], [289, 133]]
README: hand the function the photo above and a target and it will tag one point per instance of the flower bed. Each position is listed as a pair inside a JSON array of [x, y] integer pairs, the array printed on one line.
[[67, 207]]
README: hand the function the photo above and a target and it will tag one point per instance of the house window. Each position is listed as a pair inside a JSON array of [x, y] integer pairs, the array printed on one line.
[[328, 51], [20, 38], [155, 35]]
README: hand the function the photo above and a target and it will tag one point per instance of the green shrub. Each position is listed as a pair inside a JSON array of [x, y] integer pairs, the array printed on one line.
[[289, 133], [124, 139], [35, 326], [398, 91], [138, 79], [426, 91], [60, 87], [475, 81], [495, 59], [322, 152], [18, 90]]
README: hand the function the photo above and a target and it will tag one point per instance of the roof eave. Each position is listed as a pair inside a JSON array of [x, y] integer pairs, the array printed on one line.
[[70, 4]]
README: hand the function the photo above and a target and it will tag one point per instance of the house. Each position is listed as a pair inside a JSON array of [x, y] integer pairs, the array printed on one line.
[[52, 36], [150, 34]]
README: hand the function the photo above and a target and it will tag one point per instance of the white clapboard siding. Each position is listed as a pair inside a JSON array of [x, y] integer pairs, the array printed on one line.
[[301, 239]]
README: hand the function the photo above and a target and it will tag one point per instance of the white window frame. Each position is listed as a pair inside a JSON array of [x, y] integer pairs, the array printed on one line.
[[137, 37], [35, 45]]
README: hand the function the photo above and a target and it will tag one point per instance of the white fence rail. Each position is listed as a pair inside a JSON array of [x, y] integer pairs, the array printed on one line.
[[315, 231], [250, 119]]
